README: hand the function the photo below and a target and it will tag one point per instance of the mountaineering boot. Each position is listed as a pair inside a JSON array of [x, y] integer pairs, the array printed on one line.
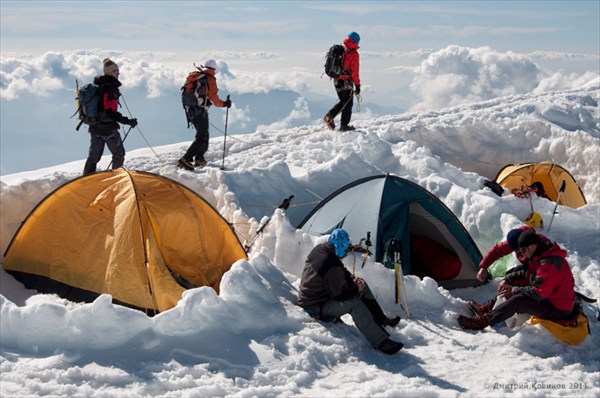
[[390, 347], [329, 122], [480, 310], [201, 162], [473, 323], [184, 164], [391, 321], [347, 128]]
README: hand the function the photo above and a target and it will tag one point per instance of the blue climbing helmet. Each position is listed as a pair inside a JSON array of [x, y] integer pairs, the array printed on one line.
[[340, 240]]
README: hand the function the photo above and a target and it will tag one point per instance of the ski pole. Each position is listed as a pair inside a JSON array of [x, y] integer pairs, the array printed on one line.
[[121, 143], [225, 139], [560, 191], [125, 136]]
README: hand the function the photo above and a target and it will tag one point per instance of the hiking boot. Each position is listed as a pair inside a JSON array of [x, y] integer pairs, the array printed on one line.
[[391, 321], [199, 163], [184, 164], [480, 310], [390, 347], [347, 128], [329, 122], [473, 323]]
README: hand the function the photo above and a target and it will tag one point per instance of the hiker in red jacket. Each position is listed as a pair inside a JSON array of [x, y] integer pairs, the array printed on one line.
[[505, 248], [346, 85], [549, 294]]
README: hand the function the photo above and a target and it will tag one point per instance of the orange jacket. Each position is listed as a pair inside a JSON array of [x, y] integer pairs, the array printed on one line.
[[351, 62], [213, 88]]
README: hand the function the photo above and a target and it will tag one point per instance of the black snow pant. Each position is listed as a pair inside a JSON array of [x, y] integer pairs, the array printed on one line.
[[344, 91], [366, 314], [523, 304], [199, 147], [113, 142]]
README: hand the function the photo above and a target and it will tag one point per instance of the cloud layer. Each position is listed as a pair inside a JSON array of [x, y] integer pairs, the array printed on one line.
[[268, 90]]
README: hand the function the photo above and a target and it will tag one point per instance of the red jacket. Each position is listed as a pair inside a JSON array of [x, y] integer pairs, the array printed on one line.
[[502, 249], [351, 62], [550, 277]]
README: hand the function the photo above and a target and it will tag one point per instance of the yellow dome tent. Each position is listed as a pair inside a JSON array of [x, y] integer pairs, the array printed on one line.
[[138, 236], [547, 178]]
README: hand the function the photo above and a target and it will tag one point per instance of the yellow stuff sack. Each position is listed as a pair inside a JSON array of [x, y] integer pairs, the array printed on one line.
[[569, 334]]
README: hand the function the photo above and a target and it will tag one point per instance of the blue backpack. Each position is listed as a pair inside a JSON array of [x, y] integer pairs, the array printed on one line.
[[88, 104]]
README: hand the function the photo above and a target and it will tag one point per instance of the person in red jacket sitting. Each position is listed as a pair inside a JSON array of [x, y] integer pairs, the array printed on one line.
[[549, 292], [347, 84]]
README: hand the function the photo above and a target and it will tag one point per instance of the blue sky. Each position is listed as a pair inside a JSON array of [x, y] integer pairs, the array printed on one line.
[[523, 26]]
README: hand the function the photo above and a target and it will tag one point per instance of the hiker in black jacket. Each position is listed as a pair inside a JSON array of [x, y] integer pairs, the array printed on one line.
[[107, 131], [328, 291]]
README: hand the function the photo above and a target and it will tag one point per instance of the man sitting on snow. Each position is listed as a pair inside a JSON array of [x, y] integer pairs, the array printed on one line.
[[549, 294], [328, 291]]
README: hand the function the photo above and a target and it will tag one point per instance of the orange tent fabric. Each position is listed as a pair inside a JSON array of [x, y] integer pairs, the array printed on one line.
[[550, 176], [137, 236]]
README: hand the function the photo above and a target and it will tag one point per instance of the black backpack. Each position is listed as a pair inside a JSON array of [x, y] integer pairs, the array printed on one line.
[[334, 61]]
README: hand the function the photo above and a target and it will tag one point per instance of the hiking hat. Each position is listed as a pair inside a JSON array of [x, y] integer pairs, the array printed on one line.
[[340, 240], [354, 36], [528, 237], [512, 238], [109, 66], [211, 63]]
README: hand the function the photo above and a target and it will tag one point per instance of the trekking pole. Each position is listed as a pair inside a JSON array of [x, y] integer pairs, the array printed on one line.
[[560, 191], [225, 134], [126, 134], [122, 141]]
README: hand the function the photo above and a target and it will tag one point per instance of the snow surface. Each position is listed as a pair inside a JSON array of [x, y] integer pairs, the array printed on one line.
[[251, 340]]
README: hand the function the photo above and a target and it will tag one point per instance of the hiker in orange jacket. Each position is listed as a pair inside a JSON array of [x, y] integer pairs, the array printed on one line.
[[198, 116], [549, 294], [346, 85]]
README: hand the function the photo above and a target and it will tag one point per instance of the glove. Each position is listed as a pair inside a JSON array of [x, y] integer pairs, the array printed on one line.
[[131, 122], [357, 89], [227, 103]]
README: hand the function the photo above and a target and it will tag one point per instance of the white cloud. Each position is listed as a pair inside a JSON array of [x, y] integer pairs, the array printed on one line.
[[559, 81], [300, 112], [457, 75]]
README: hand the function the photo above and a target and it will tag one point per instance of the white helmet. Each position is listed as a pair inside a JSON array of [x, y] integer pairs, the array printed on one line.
[[210, 64]]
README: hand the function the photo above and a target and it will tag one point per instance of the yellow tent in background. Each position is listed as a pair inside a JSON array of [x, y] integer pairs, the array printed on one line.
[[137, 236], [549, 175]]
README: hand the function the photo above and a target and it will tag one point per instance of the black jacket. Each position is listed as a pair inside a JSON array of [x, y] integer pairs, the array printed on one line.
[[109, 101], [325, 278]]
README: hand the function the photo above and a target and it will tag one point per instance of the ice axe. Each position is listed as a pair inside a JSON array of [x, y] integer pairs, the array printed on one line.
[[560, 192]]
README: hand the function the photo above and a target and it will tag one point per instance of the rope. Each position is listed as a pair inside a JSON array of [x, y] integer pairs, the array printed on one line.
[[140, 131]]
